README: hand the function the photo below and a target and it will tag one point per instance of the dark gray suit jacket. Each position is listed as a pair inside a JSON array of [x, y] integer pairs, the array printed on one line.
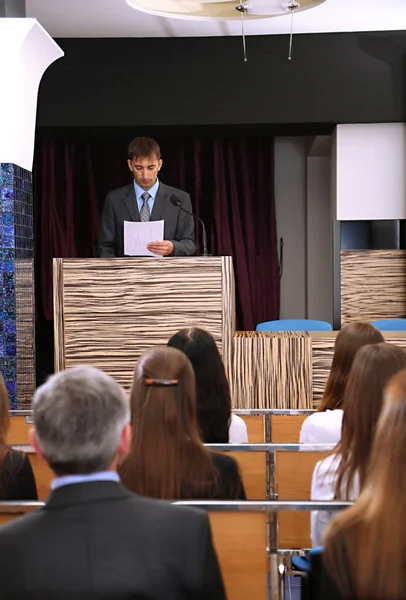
[[98, 541], [121, 205]]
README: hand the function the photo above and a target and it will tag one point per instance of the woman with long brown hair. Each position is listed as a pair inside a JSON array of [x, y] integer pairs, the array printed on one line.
[[167, 458], [17, 480], [342, 475], [365, 549], [324, 426]]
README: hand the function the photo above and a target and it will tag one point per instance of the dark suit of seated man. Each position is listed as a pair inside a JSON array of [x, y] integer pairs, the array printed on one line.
[[93, 538], [147, 199]]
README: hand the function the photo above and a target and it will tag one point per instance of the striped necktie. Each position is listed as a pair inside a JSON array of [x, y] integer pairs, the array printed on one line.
[[145, 214]]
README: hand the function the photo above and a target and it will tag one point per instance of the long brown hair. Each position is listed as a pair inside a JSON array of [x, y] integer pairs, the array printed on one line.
[[373, 367], [365, 548], [349, 339], [167, 458]]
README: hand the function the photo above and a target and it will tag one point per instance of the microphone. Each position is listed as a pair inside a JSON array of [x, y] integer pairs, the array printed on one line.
[[176, 201]]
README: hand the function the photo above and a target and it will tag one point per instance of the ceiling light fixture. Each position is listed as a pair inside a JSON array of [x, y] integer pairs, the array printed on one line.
[[220, 10], [262, 7]]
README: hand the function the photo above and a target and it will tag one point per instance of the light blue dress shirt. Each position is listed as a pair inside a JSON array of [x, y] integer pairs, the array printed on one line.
[[70, 479], [152, 192]]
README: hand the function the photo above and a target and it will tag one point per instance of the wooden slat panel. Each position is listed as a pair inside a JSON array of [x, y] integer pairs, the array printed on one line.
[[59, 316], [373, 285], [322, 357], [240, 542], [271, 370], [294, 472], [228, 311], [25, 331]]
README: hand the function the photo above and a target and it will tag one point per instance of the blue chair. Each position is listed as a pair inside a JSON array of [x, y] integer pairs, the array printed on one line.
[[311, 566], [390, 324], [294, 325]]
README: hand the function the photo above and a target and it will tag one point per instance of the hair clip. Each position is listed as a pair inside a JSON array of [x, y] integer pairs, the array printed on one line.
[[163, 382]]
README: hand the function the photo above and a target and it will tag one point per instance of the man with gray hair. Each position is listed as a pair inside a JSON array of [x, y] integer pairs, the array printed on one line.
[[93, 538]]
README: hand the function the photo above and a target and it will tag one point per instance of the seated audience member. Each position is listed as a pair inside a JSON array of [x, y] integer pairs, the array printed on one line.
[[93, 538], [167, 458], [217, 424], [324, 426], [17, 480], [341, 476], [365, 546]]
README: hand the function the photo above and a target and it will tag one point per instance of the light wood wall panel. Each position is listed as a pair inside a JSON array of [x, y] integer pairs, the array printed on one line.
[[271, 370], [322, 357], [373, 285], [109, 311]]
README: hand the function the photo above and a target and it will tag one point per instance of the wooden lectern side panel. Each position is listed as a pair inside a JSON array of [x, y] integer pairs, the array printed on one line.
[[59, 317], [228, 311]]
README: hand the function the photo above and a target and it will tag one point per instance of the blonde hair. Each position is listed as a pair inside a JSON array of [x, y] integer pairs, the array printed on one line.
[[365, 546]]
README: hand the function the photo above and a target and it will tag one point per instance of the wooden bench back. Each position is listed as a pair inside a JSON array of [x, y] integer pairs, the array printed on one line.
[[6, 516], [240, 542], [18, 432], [285, 428], [294, 472]]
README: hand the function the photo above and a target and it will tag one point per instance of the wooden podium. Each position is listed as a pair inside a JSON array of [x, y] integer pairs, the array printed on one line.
[[108, 311]]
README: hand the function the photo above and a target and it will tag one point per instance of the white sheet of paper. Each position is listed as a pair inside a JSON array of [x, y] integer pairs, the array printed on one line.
[[138, 235]]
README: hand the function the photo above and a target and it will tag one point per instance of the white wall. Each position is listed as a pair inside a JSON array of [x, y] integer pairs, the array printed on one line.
[[319, 240], [304, 215], [290, 200], [371, 174]]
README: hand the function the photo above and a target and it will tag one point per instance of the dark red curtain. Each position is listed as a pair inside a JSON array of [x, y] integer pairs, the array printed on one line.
[[231, 183]]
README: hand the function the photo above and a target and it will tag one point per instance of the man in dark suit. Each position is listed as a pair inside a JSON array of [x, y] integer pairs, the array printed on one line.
[[146, 199], [93, 538]]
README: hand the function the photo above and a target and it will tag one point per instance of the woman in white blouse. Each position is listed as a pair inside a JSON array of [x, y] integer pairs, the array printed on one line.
[[341, 476], [324, 426], [218, 425]]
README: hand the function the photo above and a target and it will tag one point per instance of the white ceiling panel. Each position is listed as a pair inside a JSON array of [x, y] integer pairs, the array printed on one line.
[[114, 18]]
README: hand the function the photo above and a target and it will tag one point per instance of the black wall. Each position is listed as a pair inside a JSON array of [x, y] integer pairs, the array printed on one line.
[[333, 78]]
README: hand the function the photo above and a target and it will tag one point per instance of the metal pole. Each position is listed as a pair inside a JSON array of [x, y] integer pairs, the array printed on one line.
[[272, 521]]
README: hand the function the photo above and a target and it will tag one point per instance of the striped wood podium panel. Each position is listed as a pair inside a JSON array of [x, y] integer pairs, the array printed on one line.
[[107, 312]]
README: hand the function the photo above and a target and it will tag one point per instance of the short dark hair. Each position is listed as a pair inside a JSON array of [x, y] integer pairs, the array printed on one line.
[[212, 390], [143, 147]]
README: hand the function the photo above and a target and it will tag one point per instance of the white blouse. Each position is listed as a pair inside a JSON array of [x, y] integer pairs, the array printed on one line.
[[237, 433], [322, 427], [323, 488]]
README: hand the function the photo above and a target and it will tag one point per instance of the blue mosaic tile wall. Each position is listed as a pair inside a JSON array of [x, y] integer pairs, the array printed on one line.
[[17, 317]]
